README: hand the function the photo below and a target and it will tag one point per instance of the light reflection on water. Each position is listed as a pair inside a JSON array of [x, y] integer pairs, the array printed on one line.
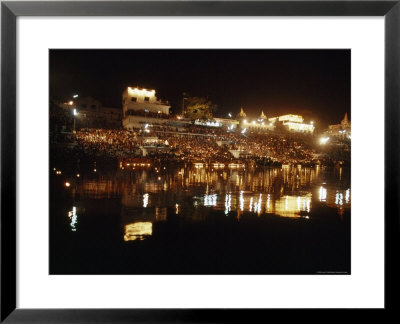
[[72, 215], [146, 195], [138, 231]]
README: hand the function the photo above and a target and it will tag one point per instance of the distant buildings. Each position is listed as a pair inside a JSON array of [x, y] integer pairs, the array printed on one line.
[[342, 130], [261, 123], [218, 122], [89, 112], [141, 106], [92, 113], [293, 123]]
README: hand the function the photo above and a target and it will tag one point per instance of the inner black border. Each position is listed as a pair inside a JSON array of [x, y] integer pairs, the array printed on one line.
[[10, 10]]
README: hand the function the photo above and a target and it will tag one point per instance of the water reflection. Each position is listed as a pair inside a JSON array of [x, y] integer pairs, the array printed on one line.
[[145, 200], [146, 194], [249, 202], [73, 218], [138, 231]]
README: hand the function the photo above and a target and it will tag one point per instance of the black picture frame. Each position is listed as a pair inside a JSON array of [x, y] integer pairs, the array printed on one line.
[[10, 10]]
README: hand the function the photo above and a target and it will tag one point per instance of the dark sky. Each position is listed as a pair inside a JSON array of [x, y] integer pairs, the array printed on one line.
[[314, 83]]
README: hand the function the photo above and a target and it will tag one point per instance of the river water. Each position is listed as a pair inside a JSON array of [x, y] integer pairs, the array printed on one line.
[[200, 219]]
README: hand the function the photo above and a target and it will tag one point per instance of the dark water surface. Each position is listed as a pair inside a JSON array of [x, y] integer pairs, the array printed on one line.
[[201, 220]]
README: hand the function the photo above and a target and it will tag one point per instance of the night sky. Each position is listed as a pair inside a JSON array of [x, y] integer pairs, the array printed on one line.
[[313, 83]]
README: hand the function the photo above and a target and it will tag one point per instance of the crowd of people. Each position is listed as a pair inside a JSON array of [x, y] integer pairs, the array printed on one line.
[[198, 148], [106, 142], [195, 144], [277, 147]]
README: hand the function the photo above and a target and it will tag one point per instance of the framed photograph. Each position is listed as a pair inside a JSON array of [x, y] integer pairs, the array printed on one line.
[[163, 159]]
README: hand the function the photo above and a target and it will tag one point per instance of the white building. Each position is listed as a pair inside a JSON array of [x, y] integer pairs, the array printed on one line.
[[137, 99], [261, 123], [299, 127], [141, 106], [294, 123], [287, 118], [218, 122]]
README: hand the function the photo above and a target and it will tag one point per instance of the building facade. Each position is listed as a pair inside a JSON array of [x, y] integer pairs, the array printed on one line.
[[293, 123], [141, 106], [260, 124]]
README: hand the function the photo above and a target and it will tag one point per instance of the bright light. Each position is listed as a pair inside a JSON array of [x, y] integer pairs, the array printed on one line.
[[145, 200], [141, 92], [270, 124], [324, 140], [228, 202], [75, 113], [70, 103], [147, 130], [312, 122], [322, 194], [75, 96], [244, 130], [74, 218], [347, 196], [254, 122], [145, 126], [230, 115], [138, 231], [245, 121], [210, 200], [339, 199], [67, 184]]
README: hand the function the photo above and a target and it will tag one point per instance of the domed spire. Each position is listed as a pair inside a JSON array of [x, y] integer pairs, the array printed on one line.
[[263, 115], [345, 122], [242, 113]]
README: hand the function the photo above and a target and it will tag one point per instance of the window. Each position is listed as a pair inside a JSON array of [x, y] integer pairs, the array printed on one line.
[[134, 99], [146, 98]]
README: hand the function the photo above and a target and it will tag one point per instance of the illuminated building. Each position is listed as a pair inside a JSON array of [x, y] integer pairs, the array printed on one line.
[[261, 123], [141, 106], [287, 118], [294, 123], [299, 127], [342, 130], [218, 122]]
